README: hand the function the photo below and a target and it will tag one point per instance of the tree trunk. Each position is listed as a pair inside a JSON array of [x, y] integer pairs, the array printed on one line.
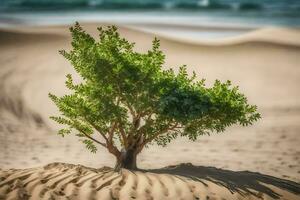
[[127, 160]]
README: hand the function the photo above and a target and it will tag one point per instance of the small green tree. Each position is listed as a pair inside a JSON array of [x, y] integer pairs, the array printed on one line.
[[130, 101]]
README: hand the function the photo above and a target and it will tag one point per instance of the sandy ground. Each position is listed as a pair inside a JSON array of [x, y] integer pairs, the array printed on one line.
[[66, 181], [264, 63]]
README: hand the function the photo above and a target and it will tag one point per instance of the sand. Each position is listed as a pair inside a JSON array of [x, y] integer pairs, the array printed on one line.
[[264, 63], [66, 181]]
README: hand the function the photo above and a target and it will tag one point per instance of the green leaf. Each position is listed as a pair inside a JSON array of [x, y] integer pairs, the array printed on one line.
[[90, 145]]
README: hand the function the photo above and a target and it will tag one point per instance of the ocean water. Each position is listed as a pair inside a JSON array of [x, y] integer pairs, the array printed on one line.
[[186, 12]]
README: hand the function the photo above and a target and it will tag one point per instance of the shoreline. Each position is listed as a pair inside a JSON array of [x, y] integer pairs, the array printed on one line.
[[187, 19]]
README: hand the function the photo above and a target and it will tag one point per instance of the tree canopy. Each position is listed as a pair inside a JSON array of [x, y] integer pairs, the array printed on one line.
[[129, 99]]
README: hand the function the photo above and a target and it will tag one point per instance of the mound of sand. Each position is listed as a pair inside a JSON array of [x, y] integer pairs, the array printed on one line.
[[187, 182]]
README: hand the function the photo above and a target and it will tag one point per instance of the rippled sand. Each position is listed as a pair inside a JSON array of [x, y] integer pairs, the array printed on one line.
[[65, 181]]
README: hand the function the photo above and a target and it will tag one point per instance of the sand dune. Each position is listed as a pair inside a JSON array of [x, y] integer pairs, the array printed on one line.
[[278, 35], [65, 181], [265, 63]]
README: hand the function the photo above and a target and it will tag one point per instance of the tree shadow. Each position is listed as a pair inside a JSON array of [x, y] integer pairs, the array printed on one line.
[[242, 182]]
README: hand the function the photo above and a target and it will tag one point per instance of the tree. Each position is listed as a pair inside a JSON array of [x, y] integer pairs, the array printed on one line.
[[126, 98]]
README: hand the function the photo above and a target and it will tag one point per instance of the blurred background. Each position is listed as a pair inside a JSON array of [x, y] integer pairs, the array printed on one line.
[[153, 14], [254, 43]]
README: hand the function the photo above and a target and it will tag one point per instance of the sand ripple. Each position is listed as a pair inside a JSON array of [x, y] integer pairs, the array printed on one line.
[[66, 181]]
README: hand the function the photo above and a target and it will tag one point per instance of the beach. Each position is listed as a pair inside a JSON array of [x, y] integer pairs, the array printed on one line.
[[264, 63]]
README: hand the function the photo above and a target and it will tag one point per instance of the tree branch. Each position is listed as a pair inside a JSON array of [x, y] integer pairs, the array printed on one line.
[[161, 132], [91, 138], [87, 135], [110, 143], [146, 121], [121, 97], [123, 135], [95, 127], [111, 131], [135, 124], [98, 130]]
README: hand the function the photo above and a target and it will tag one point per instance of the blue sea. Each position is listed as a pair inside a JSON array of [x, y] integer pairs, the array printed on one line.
[[207, 12]]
